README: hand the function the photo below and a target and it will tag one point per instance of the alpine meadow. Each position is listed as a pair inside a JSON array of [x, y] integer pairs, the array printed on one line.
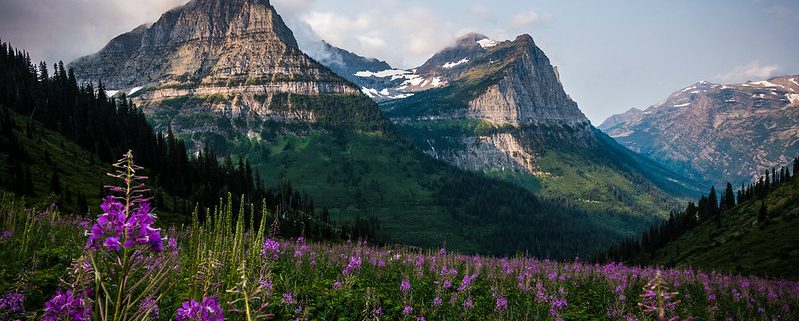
[[198, 160]]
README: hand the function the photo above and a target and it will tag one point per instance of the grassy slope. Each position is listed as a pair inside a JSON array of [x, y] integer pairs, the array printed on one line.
[[607, 180], [742, 245], [367, 175], [79, 170]]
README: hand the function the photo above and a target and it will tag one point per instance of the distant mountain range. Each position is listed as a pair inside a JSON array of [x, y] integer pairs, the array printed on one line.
[[717, 133]]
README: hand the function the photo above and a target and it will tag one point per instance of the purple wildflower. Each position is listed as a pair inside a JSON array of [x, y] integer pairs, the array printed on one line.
[[114, 230], [207, 310], [11, 304], [271, 248], [66, 305], [502, 304], [337, 284], [437, 301], [405, 286], [7, 234], [468, 303], [149, 307], [407, 310], [288, 298]]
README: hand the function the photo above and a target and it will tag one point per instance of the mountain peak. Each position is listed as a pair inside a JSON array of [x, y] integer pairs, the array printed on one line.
[[470, 39], [525, 38]]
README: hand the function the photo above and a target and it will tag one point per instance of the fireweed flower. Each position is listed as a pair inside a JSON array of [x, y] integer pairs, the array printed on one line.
[[468, 303], [11, 304], [437, 301], [407, 310], [271, 248], [207, 310], [150, 307], [114, 230], [67, 305], [405, 286], [7, 234], [288, 298], [502, 304]]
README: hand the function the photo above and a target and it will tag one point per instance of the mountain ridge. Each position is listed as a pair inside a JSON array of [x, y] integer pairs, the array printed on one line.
[[714, 132]]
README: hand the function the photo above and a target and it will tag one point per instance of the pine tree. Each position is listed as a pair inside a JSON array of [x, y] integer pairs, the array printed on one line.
[[762, 215], [713, 203], [729, 197], [795, 166]]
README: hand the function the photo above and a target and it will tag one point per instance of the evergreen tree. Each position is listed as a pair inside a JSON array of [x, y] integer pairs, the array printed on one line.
[[728, 198], [795, 166], [762, 214]]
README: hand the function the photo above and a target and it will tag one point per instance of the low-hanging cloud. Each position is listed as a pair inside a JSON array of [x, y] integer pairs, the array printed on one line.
[[55, 30], [750, 71]]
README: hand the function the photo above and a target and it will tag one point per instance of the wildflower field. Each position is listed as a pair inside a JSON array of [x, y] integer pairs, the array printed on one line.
[[226, 265]]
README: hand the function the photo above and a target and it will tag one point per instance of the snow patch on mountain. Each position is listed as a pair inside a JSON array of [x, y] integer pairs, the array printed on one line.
[[382, 74], [451, 65], [487, 43]]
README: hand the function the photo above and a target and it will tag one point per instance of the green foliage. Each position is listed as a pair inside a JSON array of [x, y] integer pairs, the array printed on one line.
[[221, 257]]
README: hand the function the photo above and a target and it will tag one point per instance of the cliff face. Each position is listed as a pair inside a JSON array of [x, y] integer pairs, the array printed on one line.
[[528, 92], [717, 132], [505, 87], [231, 56]]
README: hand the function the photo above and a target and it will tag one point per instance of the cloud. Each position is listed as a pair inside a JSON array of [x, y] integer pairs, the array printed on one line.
[[292, 7], [528, 19], [55, 30], [750, 71]]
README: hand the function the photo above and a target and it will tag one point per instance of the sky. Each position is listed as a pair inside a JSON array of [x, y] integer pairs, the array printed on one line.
[[612, 55]]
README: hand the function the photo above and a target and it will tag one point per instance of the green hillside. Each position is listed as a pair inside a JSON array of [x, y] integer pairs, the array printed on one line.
[[43, 153], [742, 244]]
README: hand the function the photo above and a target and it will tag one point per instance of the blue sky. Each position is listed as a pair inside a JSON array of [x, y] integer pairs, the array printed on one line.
[[612, 55]]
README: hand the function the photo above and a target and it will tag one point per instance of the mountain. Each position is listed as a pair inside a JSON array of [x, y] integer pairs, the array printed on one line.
[[504, 112], [717, 133], [228, 75], [383, 82]]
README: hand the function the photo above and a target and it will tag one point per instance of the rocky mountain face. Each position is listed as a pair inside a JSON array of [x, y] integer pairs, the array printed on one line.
[[503, 111], [717, 133], [233, 57]]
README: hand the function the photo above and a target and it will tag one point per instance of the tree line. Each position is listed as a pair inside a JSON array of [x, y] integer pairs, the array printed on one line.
[[709, 209]]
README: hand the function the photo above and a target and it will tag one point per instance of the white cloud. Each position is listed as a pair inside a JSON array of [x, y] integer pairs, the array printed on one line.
[[292, 6], [750, 71], [480, 10], [55, 30], [528, 19]]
